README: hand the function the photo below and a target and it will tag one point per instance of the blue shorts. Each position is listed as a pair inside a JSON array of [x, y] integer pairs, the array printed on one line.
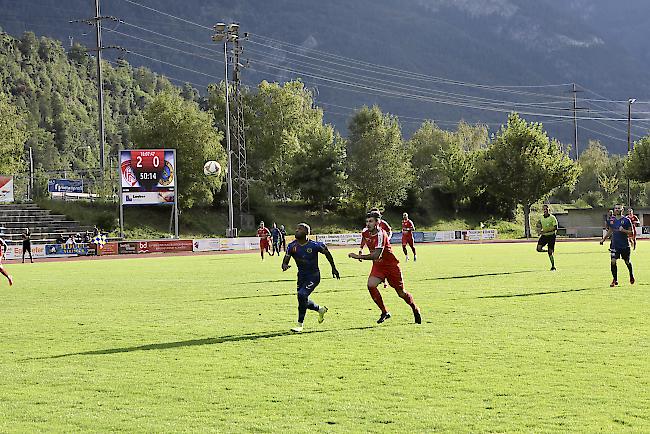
[[621, 254], [308, 283]]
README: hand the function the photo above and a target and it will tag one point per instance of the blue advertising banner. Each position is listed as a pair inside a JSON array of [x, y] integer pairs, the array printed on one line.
[[65, 186], [67, 250], [418, 237]]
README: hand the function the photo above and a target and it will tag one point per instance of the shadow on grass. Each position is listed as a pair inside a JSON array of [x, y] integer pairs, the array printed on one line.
[[286, 294], [199, 342], [469, 276], [531, 294], [293, 279]]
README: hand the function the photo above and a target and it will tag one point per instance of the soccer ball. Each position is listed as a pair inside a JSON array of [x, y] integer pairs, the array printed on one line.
[[212, 168]]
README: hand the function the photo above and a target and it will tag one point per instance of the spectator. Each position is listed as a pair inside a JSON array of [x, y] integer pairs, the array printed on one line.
[[60, 239]]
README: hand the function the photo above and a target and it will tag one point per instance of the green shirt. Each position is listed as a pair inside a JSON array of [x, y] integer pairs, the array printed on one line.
[[549, 224]]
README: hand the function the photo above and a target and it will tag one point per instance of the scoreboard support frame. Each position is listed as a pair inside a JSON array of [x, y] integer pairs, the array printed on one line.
[[175, 205]]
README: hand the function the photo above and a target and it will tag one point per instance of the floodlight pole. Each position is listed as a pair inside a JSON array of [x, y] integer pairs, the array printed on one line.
[[228, 33], [231, 212]]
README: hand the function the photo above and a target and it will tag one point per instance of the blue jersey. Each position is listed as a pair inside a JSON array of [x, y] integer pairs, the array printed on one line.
[[620, 240], [306, 256], [275, 234]]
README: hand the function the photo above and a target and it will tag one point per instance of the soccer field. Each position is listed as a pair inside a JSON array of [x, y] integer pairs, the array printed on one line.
[[201, 343]]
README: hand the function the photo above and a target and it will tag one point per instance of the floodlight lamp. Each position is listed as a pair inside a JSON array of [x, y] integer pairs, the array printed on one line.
[[218, 37], [220, 27]]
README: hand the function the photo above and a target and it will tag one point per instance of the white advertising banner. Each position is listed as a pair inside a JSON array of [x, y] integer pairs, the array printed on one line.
[[489, 234], [16, 251], [207, 245], [6, 189], [339, 239], [148, 198]]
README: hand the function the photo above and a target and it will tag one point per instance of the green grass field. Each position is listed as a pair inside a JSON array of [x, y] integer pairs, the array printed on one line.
[[201, 343]]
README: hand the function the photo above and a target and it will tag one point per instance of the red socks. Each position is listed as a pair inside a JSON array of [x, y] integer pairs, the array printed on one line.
[[376, 297]]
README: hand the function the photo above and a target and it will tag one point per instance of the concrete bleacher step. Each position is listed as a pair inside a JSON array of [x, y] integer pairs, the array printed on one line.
[[45, 227]]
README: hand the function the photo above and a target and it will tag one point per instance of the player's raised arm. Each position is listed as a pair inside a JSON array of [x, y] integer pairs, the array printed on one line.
[[330, 259]]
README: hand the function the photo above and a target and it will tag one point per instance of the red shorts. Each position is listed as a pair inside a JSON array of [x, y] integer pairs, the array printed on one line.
[[264, 243], [407, 238], [390, 273]]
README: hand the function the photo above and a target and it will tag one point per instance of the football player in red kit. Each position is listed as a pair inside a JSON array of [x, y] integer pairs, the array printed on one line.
[[264, 234], [3, 251], [635, 222], [407, 236], [385, 267]]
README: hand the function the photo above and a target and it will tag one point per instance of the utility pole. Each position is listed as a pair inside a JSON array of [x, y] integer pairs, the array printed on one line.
[[629, 142], [31, 174], [96, 21], [100, 87], [575, 118]]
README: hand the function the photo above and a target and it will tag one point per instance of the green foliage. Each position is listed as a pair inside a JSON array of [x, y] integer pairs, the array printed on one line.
[[169, 121], [285, 125], [13, 134], [379, 165], [457, 171], [637, 166], [57, 91], [318, 169], [523, 165]]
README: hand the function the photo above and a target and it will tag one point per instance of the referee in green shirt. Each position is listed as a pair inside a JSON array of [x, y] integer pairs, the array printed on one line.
[[547, 227]]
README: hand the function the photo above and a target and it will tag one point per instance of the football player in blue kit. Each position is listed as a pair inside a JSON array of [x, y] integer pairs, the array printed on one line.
[[619, 228], [305, 252]]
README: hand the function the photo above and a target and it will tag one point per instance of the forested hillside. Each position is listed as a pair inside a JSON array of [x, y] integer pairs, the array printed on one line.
[[57, 93]]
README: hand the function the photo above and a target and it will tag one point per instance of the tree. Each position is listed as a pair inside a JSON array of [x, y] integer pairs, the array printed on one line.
[[456, 171], [13, 134], [637, 166], [379, 165], [319, 168], [172, 122], [523, 165], [284, 121]]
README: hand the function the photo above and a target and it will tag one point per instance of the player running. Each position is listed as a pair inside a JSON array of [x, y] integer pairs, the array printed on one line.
[[3, 252], [275, 237], [619, 228], [305, 252], [547, 226], [407, 236], [385, 267], [264, 234], [635, 222], [283, 239]]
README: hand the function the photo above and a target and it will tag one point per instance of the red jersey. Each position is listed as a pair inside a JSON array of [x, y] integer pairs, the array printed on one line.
[[385, 226], [264, 233], [407, 226], [378, 241], [635, 221]]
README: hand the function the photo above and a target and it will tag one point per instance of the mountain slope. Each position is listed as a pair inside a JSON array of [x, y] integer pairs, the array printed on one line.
[[496, 42]]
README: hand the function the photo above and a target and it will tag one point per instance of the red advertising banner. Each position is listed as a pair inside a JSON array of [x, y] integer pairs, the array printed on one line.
[[109, 249], [127, 248], [165, 246]]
